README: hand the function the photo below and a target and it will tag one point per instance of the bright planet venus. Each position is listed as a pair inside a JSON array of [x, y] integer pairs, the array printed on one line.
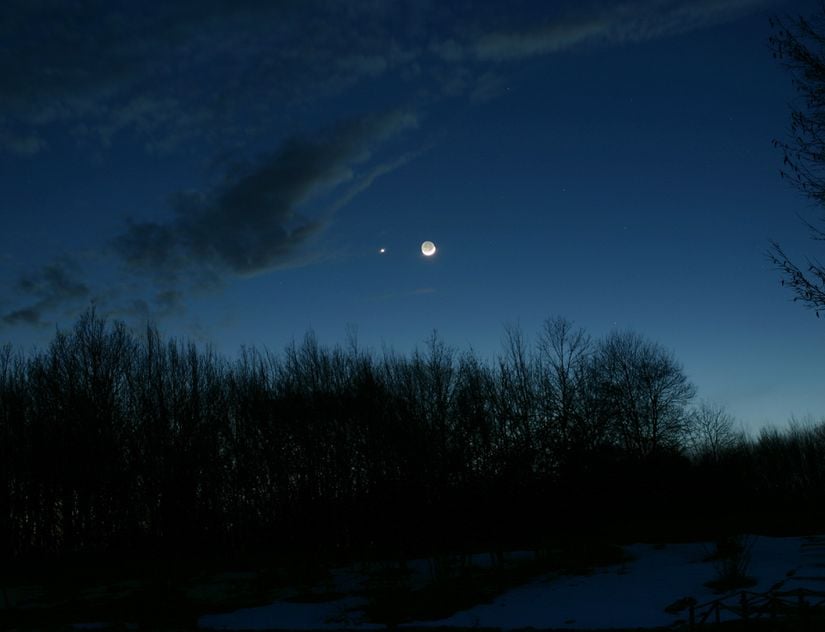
[[428, 249]]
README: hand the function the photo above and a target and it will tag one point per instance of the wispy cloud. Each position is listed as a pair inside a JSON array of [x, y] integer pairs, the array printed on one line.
[[101, 72], [261, 216], [549, 38], [609, 23], [55, 285], [420, 291], [204, 76], [252, 221]]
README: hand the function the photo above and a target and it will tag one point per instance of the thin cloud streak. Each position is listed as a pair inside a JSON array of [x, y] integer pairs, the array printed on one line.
[[421, 291], [612, 24]]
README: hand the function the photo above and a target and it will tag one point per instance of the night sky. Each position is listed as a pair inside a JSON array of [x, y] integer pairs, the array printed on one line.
[[232, 172]]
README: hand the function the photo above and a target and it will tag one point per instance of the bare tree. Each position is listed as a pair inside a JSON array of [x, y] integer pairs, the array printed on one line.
[[800, 46], [646, 391], [14, 402], [473, 415], [712, 431], [515, 395], [563, 359]]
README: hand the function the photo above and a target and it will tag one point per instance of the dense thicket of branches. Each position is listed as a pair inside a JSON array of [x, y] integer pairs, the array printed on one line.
[[800, 45], [129, 446]]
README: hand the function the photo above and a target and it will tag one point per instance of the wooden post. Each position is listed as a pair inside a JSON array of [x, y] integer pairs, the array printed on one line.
[[743, 600], [692, 617], [717, 611]]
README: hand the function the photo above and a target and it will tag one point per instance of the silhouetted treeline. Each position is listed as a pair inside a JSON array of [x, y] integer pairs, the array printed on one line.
[[125, 446]]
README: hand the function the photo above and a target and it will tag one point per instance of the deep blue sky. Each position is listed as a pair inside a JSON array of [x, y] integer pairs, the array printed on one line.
[[232, 174]]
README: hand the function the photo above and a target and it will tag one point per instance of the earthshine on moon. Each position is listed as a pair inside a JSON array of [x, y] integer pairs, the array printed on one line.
[[428, 249]]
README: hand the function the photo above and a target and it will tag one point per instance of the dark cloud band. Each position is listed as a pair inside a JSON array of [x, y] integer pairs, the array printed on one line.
[[251, 223]]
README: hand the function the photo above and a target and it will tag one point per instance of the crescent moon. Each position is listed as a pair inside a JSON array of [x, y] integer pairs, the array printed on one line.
[[428, 249]]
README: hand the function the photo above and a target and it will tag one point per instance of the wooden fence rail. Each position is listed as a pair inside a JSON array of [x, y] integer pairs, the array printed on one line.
[[746, 605]]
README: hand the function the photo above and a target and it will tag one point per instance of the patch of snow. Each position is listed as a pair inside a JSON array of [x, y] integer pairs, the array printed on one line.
[[632, 594], [636, 593]]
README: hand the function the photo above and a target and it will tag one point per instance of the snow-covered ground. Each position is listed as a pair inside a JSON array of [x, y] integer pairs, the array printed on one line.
[[633, 594]]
